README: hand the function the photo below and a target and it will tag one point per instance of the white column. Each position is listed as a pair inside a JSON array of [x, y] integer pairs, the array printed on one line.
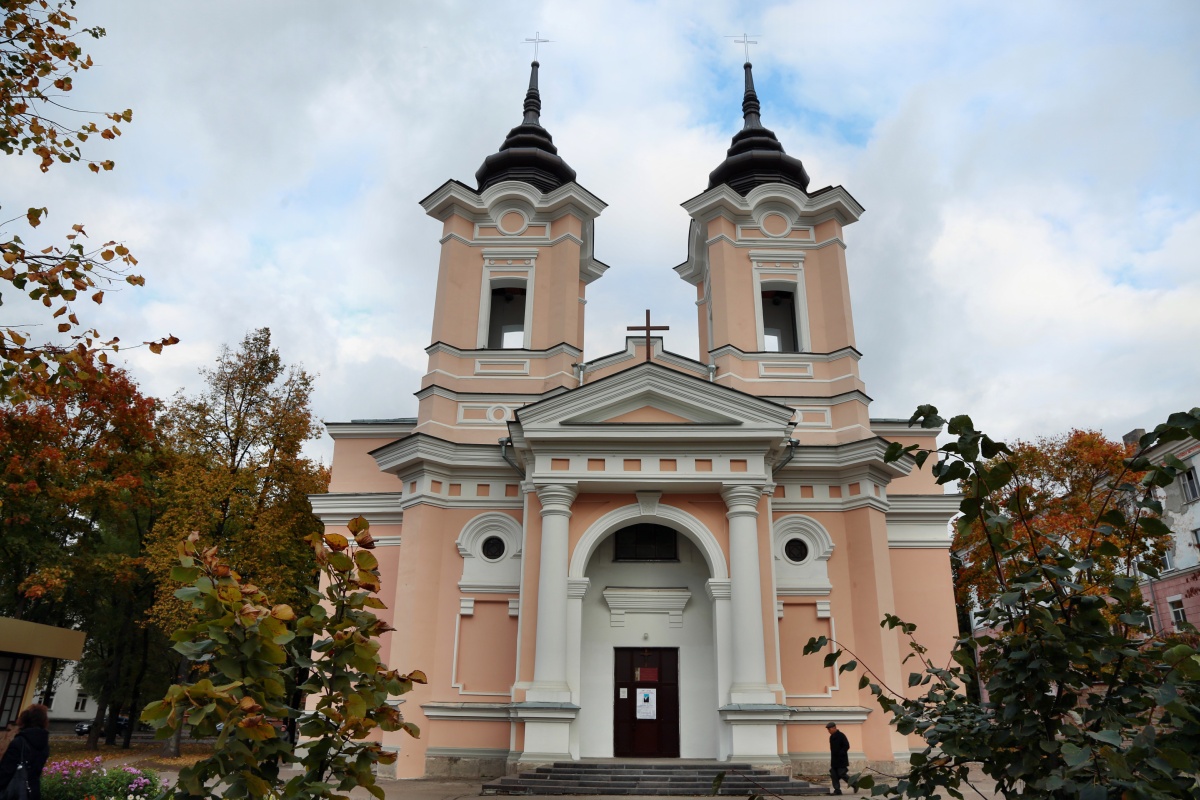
[[749, 649], [550, 653]]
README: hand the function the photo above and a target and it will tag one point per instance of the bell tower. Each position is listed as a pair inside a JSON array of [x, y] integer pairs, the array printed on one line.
[[767, 258], [516, 259]]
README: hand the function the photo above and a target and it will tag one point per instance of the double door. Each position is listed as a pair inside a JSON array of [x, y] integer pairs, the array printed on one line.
[[646, 702]]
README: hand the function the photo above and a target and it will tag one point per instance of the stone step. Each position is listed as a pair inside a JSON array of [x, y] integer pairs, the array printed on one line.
[[640, 778]]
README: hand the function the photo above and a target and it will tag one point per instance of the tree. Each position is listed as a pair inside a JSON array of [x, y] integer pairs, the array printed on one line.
[[79, 467], [73, 460], [39, 57], [1082, 701], [257, 655], [1060, 487], [240, 478]]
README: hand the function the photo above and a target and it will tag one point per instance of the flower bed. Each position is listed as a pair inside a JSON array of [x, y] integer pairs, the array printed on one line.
[[91, 780]]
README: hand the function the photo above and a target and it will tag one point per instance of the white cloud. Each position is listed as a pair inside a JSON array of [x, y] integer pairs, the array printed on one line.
[[1028, 253]]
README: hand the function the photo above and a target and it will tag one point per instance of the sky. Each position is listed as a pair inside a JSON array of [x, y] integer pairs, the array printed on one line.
[[1029, 255]]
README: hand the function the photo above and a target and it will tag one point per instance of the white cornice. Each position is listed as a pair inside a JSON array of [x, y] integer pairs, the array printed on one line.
[[371, 429], [865, 452], [923, 508], [453, 195], [728, 349], [382, 508], [562, 348], [723, 198], [420, 448]]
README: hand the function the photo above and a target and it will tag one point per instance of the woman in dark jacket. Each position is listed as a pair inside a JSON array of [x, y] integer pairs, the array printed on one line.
[[30, 746]]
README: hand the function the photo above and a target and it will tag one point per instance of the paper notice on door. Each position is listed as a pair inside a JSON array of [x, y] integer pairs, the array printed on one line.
[[647, 704]]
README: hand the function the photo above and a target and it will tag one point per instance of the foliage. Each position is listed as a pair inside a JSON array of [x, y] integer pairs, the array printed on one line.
[[72, 780], [1060, 487], [257, 654], [1081, 701], [39, 57], [240, 477], [73, 460]]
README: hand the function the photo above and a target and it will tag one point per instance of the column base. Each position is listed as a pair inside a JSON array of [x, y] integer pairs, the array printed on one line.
[[547, 731], [753, 731]]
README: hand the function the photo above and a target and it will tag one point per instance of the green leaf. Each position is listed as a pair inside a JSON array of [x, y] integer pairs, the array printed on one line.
[[717, 781], [1074, 755], [184, 574]]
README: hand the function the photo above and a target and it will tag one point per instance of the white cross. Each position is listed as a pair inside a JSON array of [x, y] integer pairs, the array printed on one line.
[[537, 39], [745, 40]]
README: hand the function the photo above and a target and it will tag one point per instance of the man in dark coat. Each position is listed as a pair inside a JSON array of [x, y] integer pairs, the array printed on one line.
[[30, 746], [839, 757]]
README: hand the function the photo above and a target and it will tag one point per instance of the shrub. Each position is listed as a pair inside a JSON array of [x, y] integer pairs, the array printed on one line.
[[77, 780]]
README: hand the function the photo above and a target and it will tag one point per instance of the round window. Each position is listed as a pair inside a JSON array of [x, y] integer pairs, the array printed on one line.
[[493, 548], [796, 550]]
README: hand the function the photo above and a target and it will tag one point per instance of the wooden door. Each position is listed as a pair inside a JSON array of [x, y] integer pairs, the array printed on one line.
[[646, 677]]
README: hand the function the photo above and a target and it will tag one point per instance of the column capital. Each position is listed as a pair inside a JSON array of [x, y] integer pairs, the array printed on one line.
[[556, 499], [741, 500]]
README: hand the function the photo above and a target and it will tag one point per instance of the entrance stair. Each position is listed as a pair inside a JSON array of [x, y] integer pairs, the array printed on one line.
[[659, 777]]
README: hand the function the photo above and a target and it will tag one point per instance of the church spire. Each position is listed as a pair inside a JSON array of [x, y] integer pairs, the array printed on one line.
[[528, 153], [755, 156]]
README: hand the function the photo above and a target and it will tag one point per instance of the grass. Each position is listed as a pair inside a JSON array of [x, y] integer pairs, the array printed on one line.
[[142, 753]]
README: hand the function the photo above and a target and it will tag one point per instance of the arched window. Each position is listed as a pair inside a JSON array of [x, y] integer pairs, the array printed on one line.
[[779, 320], [506, 318], [646, 542]]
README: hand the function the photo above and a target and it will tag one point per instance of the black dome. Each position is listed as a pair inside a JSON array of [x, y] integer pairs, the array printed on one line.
[[528, 153], [756, 156]]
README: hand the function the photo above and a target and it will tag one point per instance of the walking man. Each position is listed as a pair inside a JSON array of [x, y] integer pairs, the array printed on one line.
[[839, 757]]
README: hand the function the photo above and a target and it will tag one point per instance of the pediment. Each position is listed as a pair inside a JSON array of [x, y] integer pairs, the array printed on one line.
[[650, 396]]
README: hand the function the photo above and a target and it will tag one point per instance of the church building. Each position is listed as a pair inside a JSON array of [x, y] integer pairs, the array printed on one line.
[[624, 555]]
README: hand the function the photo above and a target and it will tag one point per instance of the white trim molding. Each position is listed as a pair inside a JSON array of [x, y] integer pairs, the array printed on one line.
[[670, 516], [624, 600], [807, 577], [481, 574]]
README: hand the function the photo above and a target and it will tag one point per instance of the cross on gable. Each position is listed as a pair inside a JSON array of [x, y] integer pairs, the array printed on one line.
[[647, 328]]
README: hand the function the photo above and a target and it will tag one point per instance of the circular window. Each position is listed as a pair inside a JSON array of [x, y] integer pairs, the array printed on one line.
[[796, 550], [493, 548]]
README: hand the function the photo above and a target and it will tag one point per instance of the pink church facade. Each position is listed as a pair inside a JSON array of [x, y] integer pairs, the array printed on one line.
[[621, 556]]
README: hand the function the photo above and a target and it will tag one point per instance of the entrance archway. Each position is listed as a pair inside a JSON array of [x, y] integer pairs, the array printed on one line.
[[651, 606]]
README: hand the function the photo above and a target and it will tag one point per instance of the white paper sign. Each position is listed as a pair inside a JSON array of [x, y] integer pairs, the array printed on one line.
[[624, 693], [647, 704]]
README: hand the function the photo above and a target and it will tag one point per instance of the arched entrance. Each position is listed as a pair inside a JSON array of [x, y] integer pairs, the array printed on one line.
[[646, 626]]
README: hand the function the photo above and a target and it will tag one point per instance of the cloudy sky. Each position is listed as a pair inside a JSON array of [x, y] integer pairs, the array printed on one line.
[[1030, 252]]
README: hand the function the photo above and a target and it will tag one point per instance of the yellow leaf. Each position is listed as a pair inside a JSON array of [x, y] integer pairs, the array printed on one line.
[[155, 348], [107, 255], [122, 250], [336, 541]]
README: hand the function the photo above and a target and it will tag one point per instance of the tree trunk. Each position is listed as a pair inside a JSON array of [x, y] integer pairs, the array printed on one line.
[[171, 746], [114, 681], [135, 699], [51, 679], [93, 740]]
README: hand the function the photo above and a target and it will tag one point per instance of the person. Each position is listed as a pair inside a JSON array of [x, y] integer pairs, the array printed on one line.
[[839, 757], [31, 746]]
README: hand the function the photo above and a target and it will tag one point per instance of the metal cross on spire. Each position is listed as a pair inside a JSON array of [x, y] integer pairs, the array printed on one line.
[[537, 39], [745, 40], [647, 328]]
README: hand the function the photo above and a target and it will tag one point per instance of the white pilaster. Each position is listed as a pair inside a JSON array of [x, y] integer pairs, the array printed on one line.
[[749, 648], [550, 653]]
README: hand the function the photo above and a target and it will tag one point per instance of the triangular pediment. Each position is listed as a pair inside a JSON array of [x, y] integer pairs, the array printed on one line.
[[648, 414], [650, 396]]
